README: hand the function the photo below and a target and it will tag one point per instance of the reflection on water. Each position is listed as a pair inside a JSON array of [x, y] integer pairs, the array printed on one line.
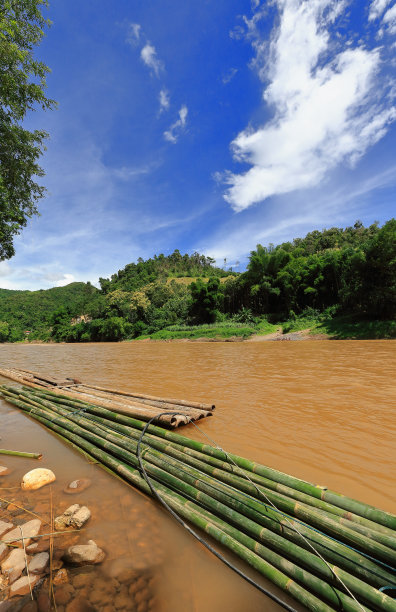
[[322, 411]]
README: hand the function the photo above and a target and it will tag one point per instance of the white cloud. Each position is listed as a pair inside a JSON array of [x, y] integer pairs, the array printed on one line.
[[134, 31], [229, 75], [164, 100], [390, 19], [377, 7], [150, 58], [172, 135], [325, 109], [65, 280]]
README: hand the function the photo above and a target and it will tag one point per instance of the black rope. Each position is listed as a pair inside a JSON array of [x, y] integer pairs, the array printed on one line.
[[272, 596]]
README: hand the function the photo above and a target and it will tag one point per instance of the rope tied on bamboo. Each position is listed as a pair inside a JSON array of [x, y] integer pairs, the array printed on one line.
[[139, 454], [230, 460]]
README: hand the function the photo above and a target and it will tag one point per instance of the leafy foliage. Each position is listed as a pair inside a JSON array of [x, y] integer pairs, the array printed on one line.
[[312, 282], [22, 84]]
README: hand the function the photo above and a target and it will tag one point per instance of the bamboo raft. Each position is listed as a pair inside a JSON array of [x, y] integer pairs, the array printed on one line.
[[326, 550], [145, 407]]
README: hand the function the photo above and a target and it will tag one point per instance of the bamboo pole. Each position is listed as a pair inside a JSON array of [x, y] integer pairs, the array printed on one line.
[[4, 451], [282, 501], [158, 403], [270, 571], [349, 518], [283, 525], [142, 396], [372, 595], [356, 507]]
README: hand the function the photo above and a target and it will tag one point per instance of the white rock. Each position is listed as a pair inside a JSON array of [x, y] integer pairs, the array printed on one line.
[[14, 564], [35, 479], [23, 585], [4, 471], [29, 530], [4, 527], [83, 554], [38, 563]]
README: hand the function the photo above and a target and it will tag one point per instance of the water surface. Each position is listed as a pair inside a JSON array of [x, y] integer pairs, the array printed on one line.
[[323, 411]]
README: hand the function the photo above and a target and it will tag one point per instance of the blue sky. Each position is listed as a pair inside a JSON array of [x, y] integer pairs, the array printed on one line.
[[209, 126]]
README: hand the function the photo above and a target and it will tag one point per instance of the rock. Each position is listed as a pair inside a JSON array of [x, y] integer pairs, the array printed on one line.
[[4, 527], [31, 606], [4, 471], [82, 554], [5, 606], [37, 547], [43, 602], [61, 577], [56, 565], [14, 564], [13, 508], [79, 604], [82, 580], [4, 550], [23, 585], [28, 531], [3, 584], [77, 486], [75, 516], [38, 563], [35, 479], [122, 601], [63, 594]]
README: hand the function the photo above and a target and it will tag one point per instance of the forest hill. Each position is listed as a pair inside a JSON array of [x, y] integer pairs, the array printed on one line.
[[334, 271]]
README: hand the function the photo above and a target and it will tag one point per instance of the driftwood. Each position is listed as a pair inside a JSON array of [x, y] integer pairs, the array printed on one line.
[[181, 412]]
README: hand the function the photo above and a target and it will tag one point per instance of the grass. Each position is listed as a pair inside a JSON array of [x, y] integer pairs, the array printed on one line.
[[349, 327], [264, 328], [202, 331]]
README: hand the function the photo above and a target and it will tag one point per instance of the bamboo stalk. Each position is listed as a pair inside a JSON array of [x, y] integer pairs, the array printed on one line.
[[374, 596], [349, 518], [142, 396], [366, 511], [88, 390], [367, 530], [370, 512], [4, 451], [282, 526]]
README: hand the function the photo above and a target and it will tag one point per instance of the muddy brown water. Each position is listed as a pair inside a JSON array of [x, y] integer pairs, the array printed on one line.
[[323, 411]]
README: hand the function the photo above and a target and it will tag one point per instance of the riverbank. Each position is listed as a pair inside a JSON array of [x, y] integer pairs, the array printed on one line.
[[339, 328]]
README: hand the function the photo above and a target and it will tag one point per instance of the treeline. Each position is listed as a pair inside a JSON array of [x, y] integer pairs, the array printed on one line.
[[327, 273], [347, 270], [25, 314]]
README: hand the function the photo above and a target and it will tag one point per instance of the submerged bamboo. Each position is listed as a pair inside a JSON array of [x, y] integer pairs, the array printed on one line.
[[268, 538], [373, 573], [4, 451], [366, 511]]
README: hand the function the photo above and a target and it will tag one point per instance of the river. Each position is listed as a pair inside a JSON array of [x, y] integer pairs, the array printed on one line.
[[323, 411]]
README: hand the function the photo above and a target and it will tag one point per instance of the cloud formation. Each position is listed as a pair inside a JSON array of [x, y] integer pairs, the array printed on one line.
[[133, 36], [150, 58], [377, 7], [172, 135], [326, 103], [164, 100]]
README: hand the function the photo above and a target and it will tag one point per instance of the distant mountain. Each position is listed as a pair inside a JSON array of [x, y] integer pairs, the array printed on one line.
[[31, 311]]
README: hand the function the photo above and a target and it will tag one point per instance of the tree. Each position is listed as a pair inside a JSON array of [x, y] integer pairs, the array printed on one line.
[[22, 84]]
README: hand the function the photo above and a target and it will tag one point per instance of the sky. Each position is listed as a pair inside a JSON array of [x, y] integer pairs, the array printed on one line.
[[209, 126]]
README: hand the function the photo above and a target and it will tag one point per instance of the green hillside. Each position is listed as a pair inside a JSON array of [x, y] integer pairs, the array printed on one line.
[[337, 281], [31, 311]]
